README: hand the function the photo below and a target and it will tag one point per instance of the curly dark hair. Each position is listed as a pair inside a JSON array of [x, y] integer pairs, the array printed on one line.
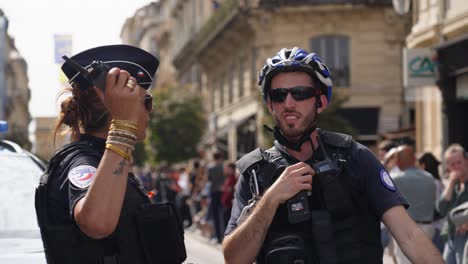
[[83, 112]]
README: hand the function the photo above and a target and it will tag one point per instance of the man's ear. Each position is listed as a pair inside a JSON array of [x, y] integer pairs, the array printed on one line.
[[269, 105], [324, 104]]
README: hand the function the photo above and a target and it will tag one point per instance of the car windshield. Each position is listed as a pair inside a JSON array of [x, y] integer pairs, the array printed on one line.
[[18, 180]]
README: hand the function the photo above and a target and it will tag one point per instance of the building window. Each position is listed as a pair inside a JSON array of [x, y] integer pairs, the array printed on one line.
[[334, 51], [241, 77]]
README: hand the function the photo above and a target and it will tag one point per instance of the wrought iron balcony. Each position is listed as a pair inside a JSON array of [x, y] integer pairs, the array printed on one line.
[[221, 17], [229, 9]]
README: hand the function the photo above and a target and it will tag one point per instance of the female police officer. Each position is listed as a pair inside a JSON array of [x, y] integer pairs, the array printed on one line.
[[90, 207]]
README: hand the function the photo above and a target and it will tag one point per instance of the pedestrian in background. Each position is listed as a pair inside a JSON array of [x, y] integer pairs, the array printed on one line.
[[455, 194], [459, 216], [197, 179], [428, 162], [228, 190], [384, 147], [215, 173], [419, 189], [184, 196]]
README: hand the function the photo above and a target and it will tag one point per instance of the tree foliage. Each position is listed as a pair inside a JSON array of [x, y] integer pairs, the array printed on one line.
[[177, 125]]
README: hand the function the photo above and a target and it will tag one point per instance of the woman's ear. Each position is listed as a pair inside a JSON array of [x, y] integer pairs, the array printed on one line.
[[323, 104]]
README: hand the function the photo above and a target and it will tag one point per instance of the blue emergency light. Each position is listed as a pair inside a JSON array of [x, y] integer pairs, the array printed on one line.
[[3, 126]]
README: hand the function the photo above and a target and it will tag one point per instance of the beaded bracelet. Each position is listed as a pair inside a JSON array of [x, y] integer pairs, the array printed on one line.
[[123, 122], [122, 133], [130, 142]]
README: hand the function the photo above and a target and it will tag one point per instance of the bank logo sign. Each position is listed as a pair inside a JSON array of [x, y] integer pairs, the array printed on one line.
[[418, 67]]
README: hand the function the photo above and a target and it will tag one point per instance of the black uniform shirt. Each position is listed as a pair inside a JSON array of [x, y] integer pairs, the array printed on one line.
[[63, 195], [71, 182], [369, 178]]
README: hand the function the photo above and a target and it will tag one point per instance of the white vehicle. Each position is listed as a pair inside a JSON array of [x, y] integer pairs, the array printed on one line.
[[20, 238]]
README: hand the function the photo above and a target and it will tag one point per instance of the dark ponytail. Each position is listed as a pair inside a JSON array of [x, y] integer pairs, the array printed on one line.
[[83, 112]]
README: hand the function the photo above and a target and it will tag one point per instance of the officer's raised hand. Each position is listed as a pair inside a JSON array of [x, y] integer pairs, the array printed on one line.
[[121, 95], [295, 178]]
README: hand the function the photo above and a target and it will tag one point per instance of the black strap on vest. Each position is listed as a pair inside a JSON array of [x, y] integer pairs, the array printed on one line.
[[289, 144]]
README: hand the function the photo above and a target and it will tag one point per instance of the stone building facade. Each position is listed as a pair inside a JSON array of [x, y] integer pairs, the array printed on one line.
[[15, 93], [361, 41], [440, 109], [218, 48], [45, 144]]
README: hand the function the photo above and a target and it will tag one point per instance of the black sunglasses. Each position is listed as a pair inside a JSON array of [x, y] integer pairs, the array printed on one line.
[[299, 93], [148, 102]]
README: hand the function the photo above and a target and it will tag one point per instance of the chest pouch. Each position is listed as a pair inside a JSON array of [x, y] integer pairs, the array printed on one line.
[[161, 233], [288, 249]]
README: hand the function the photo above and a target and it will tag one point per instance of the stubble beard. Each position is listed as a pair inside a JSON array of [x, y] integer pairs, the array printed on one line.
[[294, 132]]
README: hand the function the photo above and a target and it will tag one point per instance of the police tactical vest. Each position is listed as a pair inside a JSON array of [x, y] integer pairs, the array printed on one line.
[[158, 238], [340, 230]]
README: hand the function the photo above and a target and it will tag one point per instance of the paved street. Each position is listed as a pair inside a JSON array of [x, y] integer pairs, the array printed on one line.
[[199, 251]]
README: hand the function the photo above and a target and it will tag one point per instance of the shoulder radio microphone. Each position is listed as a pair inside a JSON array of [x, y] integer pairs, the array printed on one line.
[[95, 74]]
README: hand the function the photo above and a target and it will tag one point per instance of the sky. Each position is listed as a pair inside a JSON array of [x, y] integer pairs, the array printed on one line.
[[33, 24]]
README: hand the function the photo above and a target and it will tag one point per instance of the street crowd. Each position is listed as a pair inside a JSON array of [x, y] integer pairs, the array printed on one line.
[[204, 190], [438, 200]]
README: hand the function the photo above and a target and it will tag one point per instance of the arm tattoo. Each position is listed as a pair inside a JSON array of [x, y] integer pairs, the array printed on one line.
[[120, 166], [119, 169]]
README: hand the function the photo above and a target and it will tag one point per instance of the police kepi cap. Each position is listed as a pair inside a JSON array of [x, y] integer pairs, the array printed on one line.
[[140, 64]]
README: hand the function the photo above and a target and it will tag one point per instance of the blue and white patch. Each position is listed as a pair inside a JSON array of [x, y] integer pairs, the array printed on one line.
[[82, 176], [387, 181]]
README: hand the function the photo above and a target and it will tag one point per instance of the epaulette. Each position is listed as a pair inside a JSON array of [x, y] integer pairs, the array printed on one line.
[[250, 159], [334, 139]]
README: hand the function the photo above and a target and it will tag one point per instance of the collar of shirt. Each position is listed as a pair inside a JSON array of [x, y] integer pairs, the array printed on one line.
[[96, 142], [316, 155]]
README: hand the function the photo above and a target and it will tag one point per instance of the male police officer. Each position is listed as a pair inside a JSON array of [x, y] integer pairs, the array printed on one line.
[[325, 213]]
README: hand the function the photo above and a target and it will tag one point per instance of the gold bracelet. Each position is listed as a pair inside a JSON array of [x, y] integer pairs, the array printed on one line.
[[125, 128], [118, 151], [113, 142], [121, 121], [124, 123]]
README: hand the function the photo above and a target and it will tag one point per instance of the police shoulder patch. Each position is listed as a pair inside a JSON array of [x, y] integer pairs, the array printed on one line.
[[386, 180], [82, 176]]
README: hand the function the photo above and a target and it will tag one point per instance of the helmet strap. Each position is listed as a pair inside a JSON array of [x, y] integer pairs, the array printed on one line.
[[296, 145]]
